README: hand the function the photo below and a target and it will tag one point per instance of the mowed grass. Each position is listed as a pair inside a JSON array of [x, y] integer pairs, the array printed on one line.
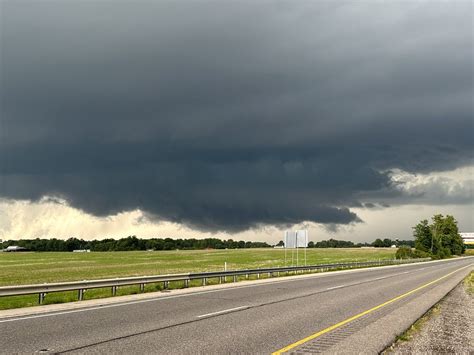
[[37, 268], [33, 268], [469, 252]]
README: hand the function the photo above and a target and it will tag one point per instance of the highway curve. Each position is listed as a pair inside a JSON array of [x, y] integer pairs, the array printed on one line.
[[356, 311]]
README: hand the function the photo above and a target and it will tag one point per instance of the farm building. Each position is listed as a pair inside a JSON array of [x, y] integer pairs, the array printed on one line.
[[14, 248], [468, 238]]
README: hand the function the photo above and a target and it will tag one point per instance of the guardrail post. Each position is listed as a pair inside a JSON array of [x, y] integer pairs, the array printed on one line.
[[41, 297], [258, 275], [80, 294], [142, 287], [246, 276], [235, 278], [114, 290], [165, 285], [204, 281], [186, 283]]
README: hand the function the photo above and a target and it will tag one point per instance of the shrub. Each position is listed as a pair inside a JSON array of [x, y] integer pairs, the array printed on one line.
[[421, 254], [405, 252]]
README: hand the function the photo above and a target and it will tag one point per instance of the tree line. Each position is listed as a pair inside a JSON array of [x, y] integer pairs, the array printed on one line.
[[130, 243], [440, 239], [133, 243], [378, 243]]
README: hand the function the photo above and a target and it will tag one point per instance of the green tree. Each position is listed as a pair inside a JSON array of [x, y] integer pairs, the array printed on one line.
[[441, 238], [378, 243], [387, 243], [423, 236], [445, 230]]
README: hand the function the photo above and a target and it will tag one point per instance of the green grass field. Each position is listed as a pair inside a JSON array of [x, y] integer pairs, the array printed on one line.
[[35, 268], [32, 268]]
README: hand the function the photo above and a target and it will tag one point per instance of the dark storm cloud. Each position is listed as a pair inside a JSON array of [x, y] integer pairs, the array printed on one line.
[[225, 117]]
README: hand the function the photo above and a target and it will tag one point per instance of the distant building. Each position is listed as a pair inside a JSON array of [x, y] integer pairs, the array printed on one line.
[[468, 238], [81, 251], [14, 248]]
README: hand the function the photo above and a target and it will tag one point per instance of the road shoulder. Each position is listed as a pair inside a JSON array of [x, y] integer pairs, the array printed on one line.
[[446, 328], [377, 331]]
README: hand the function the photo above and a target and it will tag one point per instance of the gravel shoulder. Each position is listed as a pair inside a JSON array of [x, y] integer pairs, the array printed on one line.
[[446, 328]]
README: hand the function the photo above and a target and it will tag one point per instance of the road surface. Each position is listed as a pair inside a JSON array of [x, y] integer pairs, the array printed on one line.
[[356, 311]]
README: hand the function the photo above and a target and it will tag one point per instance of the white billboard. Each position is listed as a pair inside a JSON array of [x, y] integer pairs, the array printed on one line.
[[290, 239], [296, 239]]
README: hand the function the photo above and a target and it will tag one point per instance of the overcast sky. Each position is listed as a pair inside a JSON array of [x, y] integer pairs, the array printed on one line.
[[354, 119]]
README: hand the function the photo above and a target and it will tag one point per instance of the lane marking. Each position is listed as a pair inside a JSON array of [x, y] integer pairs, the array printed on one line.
[[366, 281], [340, 324], [197, 293], [223, 311]]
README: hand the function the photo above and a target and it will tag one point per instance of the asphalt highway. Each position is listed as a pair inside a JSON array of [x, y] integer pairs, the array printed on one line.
[[358, 311]]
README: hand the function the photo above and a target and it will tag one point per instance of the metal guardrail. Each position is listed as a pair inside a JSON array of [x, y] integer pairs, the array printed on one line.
[[81, 286]]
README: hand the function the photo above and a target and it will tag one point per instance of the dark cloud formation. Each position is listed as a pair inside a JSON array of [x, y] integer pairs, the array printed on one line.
[[228, 116]]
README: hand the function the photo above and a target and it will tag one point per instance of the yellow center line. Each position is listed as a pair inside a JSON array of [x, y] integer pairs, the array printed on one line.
[[340, 324]]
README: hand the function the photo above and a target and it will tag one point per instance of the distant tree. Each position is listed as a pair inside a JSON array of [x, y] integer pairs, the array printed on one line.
[[333, 243], [73, 244], [281, 243], [378, 243], [410, 243], [129, 243], [387, 243]]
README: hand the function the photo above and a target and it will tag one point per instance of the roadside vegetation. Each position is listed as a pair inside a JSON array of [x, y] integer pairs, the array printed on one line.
[[469, 283], [416, 327], [469, 252], [438, 240]]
